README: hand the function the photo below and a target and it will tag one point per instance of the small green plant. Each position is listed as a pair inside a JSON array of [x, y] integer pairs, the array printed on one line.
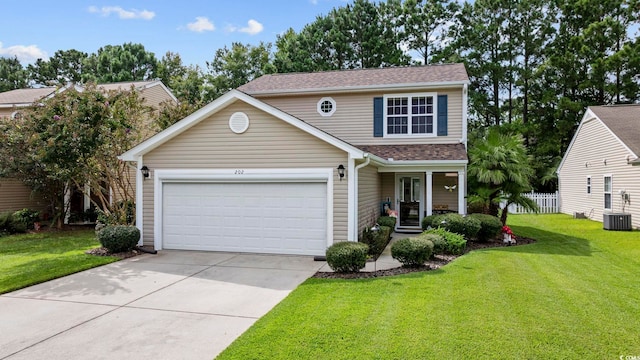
[[9, 224], [439, 243], [389, 221], [490, 226], [347, 256], [427, 222], [456, 223], [27, 217], [377, 239], [456, 243], [118, 238], [412, 252]]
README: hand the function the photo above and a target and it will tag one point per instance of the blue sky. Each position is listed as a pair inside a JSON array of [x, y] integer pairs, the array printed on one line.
[[32, 29]]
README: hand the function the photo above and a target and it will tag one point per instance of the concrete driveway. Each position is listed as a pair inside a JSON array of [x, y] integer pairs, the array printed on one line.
[[174, 305]]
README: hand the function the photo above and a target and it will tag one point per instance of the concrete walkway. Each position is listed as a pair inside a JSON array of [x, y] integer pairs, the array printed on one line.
[[174, 305]]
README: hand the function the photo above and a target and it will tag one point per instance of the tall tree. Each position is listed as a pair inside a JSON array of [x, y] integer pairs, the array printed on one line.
[[12, 74], [426, 25], [235, 66], [114, 63], [63, 67], [186, 82]]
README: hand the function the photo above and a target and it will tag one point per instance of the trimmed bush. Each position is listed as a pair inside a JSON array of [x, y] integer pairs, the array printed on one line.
[[439, 243], [26, 217], [412, 252], [389, 221], [456, 243], [490, 226], [9, 224], [456, 223], [119, 238], [427, 222], [347, 256]]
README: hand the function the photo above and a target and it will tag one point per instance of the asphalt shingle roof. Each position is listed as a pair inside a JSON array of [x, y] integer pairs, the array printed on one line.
[[356, 79], [417, 152], [624, 122]]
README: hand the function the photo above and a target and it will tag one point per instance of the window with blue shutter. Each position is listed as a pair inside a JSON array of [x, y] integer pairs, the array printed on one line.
[[442, 115], [378, 117]]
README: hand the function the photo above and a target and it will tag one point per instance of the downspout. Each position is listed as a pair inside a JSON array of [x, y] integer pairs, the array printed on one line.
[[355, 195]]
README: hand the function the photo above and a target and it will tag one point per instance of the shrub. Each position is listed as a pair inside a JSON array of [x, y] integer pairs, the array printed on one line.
[[389, 221], [27, 217], [119, 238], [9, 224], [347, 256], [412, 251], [376, 240], [427, 222], [490, 226], [456, 223], [439, 243], [456, 243]]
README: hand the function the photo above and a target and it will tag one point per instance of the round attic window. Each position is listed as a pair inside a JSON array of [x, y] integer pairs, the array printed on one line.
[[326, 106], [239, 122]]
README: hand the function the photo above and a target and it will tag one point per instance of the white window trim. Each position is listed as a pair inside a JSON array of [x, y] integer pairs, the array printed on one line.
[[604, 192], [589, 185], [319, 106], [434, 95]]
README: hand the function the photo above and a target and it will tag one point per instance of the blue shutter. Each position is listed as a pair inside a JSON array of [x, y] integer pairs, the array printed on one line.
[[442, 115], [378, 117]]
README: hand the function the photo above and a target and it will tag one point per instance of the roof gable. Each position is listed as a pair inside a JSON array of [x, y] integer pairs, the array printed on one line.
[[622, 121], [359, 79], [222, 102]]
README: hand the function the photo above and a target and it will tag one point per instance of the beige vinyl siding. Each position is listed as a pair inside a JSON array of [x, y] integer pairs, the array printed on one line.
[[6, 112], [353, 118], [441, 196], [369, 187], [155, 95], [268, 143], [593, 144], [14, 195], [388, 188]]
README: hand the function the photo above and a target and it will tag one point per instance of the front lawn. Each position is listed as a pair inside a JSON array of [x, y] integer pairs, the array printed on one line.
[[29, 259], [575, 294]]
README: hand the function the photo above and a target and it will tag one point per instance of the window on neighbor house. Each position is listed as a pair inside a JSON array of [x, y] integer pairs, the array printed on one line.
[[588, 185], [607, 192], [410, 114]]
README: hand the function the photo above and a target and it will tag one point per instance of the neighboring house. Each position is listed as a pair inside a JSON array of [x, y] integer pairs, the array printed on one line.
[[258, 169], [601, 167], [13, 194]]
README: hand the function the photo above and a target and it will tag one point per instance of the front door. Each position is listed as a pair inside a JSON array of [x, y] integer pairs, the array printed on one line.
[[409, 200]]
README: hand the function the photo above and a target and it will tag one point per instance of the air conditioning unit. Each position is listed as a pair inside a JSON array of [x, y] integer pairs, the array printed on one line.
[[617, 221]]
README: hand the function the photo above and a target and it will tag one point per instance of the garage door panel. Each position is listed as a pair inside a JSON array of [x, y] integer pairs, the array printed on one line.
[[284, 218]]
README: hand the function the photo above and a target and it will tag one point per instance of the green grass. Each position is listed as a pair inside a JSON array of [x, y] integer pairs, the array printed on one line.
[[575, 294], [29, 259]]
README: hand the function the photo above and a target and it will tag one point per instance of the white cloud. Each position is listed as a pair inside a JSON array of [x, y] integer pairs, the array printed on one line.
[[313, 2], [122, 13], [201, 24], [253, 27], [26, 54]]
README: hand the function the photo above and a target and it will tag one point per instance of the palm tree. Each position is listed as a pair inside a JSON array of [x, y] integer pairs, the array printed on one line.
[[499, 169]]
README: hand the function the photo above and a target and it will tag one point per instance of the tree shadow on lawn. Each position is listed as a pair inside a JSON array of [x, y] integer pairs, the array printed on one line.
[[548, 242]]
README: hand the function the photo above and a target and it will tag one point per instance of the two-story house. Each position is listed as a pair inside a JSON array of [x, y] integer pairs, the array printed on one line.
[[291, 163], [14, 195]]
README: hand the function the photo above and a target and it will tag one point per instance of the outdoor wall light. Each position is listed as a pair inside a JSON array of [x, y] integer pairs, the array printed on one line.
[[341, 171], [145, 171]]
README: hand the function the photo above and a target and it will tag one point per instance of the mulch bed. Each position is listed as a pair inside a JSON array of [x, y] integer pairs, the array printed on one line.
[[121, 255], [435, 263]]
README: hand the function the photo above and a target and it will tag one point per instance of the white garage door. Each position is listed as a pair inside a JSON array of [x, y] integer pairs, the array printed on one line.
[[279, 218]]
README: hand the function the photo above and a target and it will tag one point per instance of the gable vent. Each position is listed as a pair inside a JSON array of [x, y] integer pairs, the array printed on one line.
[[239, 122]]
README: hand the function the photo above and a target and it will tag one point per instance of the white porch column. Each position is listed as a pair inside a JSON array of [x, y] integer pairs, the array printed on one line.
[[87, 197], [429, 202], [462, 181]]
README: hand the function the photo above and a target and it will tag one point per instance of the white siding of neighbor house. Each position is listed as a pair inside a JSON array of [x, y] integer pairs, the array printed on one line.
[[14, 195], [268, 143], [369, 188], [593, 144], [353, 118]]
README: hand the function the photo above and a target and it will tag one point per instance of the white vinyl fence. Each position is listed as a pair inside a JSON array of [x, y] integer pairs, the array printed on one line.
[[547, 203]]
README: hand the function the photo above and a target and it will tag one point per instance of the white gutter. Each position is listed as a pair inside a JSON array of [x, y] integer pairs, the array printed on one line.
[[354, 236]]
